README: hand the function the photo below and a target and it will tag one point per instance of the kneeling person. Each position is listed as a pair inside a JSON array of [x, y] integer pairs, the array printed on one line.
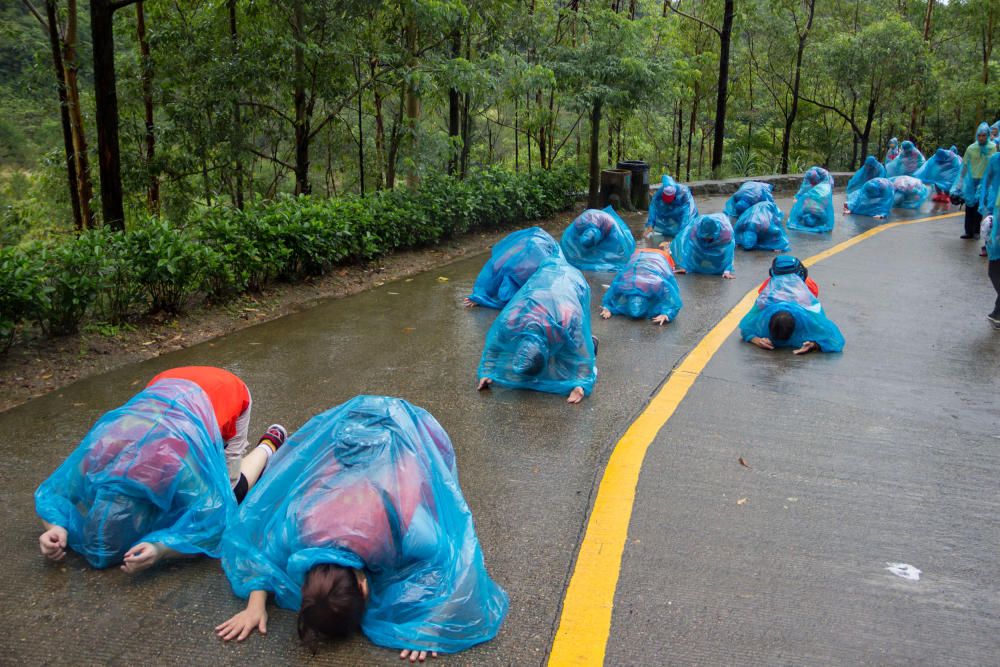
[[541, 340], [788, 314], [645, 288]]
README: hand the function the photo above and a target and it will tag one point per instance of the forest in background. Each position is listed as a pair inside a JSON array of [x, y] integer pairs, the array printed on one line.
[[223, 103]]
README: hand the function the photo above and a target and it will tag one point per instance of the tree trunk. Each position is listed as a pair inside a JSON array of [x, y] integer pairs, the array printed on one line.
[[412, 101], [786, 137], [720, 105], [146, 66], [680, 139], [379, 128], [106, 116], [595, 158], [361, 129], [542, 146], [466, 135], [302, 186], [394, 141], [691, 124], [57, 62], [81, 153], [237, 119], [915, 111], [454, 104], [517, 133]]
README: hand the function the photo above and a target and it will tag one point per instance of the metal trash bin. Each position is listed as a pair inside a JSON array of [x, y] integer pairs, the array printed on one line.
[[640, 182]]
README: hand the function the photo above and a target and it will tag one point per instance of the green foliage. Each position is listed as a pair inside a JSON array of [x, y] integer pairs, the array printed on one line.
[[167, 262], [76, 272], [21, 292]]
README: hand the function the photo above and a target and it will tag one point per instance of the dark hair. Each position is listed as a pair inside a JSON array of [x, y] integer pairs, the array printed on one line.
[[781, 326], [332, 604], [529, 357]]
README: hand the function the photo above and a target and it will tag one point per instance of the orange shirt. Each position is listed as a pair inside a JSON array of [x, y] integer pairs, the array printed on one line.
[[810, 283], [665, 253], [229, 395]]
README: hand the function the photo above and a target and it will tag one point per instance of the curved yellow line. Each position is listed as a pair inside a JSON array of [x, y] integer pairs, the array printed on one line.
[[585, 622]]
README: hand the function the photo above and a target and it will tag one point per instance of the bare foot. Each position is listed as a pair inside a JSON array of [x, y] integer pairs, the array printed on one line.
[[661, 320], [605, 313], [484, 383], [576, 395], [469, 303], [728, 275]]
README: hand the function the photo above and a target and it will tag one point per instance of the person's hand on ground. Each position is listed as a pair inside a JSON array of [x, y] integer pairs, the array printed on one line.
[[661, 320], [762, 343], [605, 313], [415, 655], [469, 303], [728, 275], [576, 395], [242, 625], [484, 383], [806, 348], [141, 557], [53, 543]]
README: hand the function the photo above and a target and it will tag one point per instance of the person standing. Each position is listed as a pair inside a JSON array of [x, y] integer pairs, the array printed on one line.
[[977, 155]]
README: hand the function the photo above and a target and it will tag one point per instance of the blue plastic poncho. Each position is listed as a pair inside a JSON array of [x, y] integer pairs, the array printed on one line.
[[910, 192], [706, 246], [750, 193], [974, 163], [875, 198], [813, 211], [645, 288], [989, 233], [760, 228], [954, 149], [872, 168], [671, 208], [995, 132], [907, 162], [512, 261], [152, 470], [941, 170], [892, 152], [989, 186], [789, 293], [598, 240], [371, 484], [541, 340], [813, 177]]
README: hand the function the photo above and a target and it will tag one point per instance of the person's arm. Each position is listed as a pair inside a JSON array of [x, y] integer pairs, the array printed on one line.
[[147, 554], [762, 343], [53, 541], [807, 347], [242, 625]]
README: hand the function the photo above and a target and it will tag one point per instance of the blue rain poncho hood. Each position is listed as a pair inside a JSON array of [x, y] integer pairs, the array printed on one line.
[[814, 176], [152, 470], [371, 484], [668, 218], [910, 192], [813, 211], [909, 160], [789, 293], [872, 168], [941, 170], [989, 186], [750, 193], [512, 261], [598, 240], [760, 228], [542, 340], [645, 288], [875, 198], [705, 246]]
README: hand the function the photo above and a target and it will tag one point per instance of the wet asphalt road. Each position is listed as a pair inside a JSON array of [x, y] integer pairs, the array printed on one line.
[[887, 450]]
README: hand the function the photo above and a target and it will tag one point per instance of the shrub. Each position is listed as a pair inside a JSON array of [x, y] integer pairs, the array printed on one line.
[[21, 291], [76, 272], [168, 263]]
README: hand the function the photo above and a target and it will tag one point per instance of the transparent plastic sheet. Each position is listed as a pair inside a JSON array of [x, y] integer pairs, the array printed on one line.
[[598, 240], [750, 193], [910, 192], [669, 218], [760, 228], [989, 186], [990, 236], [909, 160], [813, 210], [645, 288], [940, 170], [892, 152], [542, 340], [875, 198], [872, 168], [814, 176], [512, 261], [371, 484], [706, 246], [789, 293], [152, 470]]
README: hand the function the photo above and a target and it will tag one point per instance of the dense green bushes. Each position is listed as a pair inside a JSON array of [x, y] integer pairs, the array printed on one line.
[[157, 266]]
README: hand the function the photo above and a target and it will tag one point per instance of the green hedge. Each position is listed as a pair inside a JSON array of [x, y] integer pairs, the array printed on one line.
[[158, 266]]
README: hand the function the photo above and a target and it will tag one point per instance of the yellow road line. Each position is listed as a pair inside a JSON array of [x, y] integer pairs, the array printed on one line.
[[585, 622]]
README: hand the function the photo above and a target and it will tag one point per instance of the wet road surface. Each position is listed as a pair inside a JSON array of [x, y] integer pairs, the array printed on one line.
[[886, 449]]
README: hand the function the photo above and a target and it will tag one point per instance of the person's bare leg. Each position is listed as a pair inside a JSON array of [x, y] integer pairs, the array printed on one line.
[[576, 395], [252, 465]]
